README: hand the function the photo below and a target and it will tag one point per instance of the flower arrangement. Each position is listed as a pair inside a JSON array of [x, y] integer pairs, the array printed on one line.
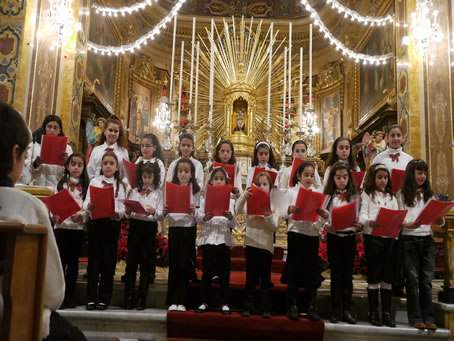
[[162, 246], [122, 252]]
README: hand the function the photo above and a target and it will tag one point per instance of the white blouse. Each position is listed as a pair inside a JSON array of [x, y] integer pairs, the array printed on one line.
[[385, 158], [251, 172], [284, 179], [328, 170], [45, 175], [308, 228], [154, 199], [337, 202], [198, 171], [217, 230], [370, 207], [76, 193], [94, 164], [97, 182], [412, 214], [162, 169]]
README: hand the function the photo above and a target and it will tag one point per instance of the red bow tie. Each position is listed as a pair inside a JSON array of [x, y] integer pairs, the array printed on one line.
[[394, 157], [145, 192], [73, 185], [342, 195], [419, 194], [382, 192], [106, 184], [108, 150]]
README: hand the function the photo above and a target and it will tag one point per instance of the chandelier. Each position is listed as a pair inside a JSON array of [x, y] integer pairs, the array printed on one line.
[[309, 127], [60, 21], [162, 119], [425, 29]]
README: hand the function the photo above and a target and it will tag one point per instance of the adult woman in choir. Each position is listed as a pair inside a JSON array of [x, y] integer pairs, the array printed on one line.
[[113, 139], [21, 207], [43, 174], [395, 158]]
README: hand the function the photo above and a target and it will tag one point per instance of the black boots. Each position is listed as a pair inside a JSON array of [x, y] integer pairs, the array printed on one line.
[[266, 302], [292, 299], [248, 308], [372, 296], [311, 313], [143, 291], [346, 305], [386, 297], [129, 293]]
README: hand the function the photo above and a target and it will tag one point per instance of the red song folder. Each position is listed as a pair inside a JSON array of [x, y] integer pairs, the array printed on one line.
[[130, 169], [217, 199], [51, 149], [309, 202], [344, 216], [259, 200], [230, 169], [397, 179], [358, 178], [390, 222], [434, 209], [62, 205], [178, 198], [135, 205], [296, 163], [258, 170], [103, 200]]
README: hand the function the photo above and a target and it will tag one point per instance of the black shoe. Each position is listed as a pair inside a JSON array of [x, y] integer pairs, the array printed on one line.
[[266, 315], [293, 313], [388, 320], [70, 302], [374, 319], [312, 315], [90, 306], [347, 317], [334, 318], [101, 306], [141, 304], [63, 305]]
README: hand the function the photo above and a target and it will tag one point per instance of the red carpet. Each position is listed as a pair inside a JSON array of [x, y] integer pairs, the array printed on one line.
[[215, 326]]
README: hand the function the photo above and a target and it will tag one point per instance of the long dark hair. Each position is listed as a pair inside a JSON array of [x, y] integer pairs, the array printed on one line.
[[117, 172], [232, 160], [121, 141], [155, 141], [151, 168], [298, 142], [331, 188], [193, 181], [83, 179], [300, 170], [186, 136], [333, 157], [214, 171], [369, 184], [42, 130], [13, 130], [410, 187], [267, 146]]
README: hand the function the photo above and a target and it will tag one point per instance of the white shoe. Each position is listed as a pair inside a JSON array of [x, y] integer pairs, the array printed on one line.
[[202, 308], [173, 307], [226, 310], [181, 307]]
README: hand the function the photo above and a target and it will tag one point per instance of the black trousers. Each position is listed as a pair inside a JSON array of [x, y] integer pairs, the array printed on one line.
[[258, 268], [61, 329], [69, 243], [141, 247], [379, 258], [341, 256], [215, 261], [180, 250], [102, 258]]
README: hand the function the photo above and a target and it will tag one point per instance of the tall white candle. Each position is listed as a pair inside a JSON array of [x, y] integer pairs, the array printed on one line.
[[270, 57], [289, 70], [285, 92], [300, 111], [192, 67], [173, 61], [196, 82], [210, 117], [181, 81], [310, 63]]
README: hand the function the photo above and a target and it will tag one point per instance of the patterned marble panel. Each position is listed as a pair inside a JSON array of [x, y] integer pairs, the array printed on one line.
[[10, 39]]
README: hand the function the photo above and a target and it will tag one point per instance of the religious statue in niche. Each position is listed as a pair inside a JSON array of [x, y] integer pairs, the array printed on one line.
[[239, 117]]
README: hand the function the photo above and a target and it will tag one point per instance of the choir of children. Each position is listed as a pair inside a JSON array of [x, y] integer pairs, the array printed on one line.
[[105, 169]]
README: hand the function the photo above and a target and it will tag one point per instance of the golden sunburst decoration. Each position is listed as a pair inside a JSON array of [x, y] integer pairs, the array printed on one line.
[[241, 65]]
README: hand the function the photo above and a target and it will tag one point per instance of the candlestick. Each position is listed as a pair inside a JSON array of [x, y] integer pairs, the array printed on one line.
[[289, 71], [210, 116], [181, 82], [196, 83], [310, 63], [192, 68], [300, 111], [285, 92], [269, 76], [173, 61]]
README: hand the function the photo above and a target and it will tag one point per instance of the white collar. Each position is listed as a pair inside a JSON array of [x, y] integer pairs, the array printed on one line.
[[109, 180], [265, 166], [393, 151], [74, 180], [113, 146]]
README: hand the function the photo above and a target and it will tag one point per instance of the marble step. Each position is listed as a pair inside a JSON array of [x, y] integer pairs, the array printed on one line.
[[150, 324]]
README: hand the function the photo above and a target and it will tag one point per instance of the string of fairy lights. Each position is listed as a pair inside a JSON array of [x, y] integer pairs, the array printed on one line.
[[347, 12]]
